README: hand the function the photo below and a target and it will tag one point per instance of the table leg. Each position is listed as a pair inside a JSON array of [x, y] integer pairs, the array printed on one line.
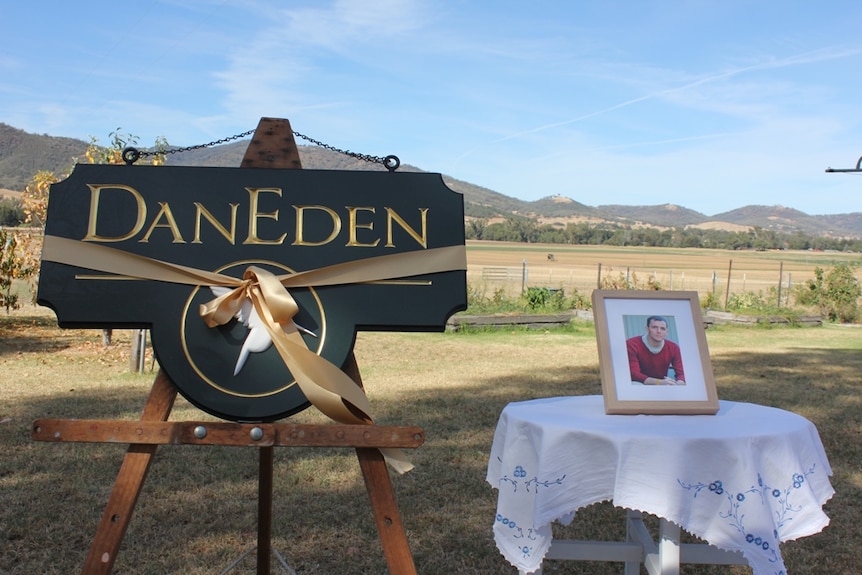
[[633, 519], [658, 559], [668, 547], [662, 557]]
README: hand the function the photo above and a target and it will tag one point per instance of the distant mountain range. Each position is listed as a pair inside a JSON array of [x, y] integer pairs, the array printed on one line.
[[23, 154]]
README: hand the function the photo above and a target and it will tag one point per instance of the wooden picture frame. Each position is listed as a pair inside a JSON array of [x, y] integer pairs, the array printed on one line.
[[636, 380]]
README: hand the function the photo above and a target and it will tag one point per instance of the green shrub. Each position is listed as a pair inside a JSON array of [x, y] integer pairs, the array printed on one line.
[[760, 304], [534, 300], [539, 297], [478, 302], [710, 301], [835, 293]]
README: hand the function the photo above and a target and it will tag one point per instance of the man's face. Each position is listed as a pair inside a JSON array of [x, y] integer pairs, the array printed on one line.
[[656, 331]]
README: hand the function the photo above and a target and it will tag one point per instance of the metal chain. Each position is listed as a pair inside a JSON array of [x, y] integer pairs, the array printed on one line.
[[199, 146], [391, 163]]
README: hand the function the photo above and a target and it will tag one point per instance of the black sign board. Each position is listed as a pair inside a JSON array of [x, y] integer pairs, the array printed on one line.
[[139, 246]]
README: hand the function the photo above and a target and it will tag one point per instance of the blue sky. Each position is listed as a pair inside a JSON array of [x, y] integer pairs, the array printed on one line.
[[711, 105]]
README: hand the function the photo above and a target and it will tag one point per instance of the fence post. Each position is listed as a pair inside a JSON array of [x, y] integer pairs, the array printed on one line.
[[780, 279], [599, 277], [729, 269], [137, 358], [524, 276]]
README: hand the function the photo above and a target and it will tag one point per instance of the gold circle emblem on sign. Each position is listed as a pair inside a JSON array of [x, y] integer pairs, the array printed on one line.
[[187, 347]]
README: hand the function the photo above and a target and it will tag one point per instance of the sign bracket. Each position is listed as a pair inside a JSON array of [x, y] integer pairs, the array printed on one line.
[[272, 146]]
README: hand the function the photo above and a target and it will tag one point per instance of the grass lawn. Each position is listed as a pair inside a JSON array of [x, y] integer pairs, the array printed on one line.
[[197, 512]]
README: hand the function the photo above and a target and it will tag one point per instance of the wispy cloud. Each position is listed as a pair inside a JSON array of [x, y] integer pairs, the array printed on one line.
[[750, 102], [807, 58], [304, 60]]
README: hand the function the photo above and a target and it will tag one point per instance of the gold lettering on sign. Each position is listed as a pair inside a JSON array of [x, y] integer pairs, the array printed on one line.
[[353, 225], [300, 227], [422, 239], [95, 195], [170, 223], [254, 215], [315, 224], [202, 211]]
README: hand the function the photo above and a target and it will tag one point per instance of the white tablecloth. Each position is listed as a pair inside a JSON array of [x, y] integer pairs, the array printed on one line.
[[744, 479]]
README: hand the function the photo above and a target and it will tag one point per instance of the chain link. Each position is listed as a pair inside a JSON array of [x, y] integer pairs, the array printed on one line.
[[390, 162], [364, 157], [199, 146]]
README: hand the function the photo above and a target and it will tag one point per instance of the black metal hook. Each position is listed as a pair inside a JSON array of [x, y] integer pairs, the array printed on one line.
[[131, 155], [391, 163]]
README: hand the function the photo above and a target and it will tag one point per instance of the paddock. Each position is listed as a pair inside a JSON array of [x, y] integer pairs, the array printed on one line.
[[512, 267]]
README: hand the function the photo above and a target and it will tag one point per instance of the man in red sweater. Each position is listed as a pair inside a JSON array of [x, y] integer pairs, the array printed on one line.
[[651, 355]]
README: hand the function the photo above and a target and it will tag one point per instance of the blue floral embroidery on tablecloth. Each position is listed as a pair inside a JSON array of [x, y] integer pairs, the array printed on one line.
[[517, 479], [763, 494]]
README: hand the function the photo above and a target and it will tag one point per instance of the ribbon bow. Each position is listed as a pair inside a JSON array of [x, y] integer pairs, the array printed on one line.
[[324, 385], [328, 388]]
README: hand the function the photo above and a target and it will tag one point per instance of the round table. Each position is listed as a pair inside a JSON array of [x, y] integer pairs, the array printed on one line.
[[744, 479]]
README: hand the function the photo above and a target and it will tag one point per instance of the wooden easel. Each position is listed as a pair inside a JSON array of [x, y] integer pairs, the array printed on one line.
[[272, 146]]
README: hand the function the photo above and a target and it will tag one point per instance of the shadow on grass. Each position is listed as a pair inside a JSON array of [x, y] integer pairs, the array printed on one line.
[[198, 508], [32, 333]]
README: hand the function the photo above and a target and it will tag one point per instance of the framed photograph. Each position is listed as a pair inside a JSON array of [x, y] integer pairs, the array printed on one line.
[[652, 353]]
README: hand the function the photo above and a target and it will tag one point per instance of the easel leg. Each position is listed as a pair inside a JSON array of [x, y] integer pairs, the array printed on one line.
[[382, 497], [264, 510], [385, 509], [127, 487]]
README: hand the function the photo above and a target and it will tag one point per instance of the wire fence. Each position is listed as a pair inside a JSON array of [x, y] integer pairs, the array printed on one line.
[[583, 279]]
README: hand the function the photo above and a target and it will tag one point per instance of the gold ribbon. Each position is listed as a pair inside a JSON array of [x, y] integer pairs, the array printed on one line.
[[328, 388]]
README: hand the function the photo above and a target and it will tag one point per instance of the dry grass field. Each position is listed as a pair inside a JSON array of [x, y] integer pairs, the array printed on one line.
[[577, 267], [197, 512]]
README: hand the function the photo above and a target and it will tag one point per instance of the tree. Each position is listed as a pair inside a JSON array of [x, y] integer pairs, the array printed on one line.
[[474, 228], [35, 197], [17, 262], [11, 212]]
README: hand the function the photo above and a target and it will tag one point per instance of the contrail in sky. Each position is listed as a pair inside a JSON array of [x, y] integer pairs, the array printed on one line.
[[800, 59]]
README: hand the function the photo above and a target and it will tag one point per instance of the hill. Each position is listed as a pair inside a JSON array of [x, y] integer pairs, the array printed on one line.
[[788, 220], [23, 154], [668, 215]]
